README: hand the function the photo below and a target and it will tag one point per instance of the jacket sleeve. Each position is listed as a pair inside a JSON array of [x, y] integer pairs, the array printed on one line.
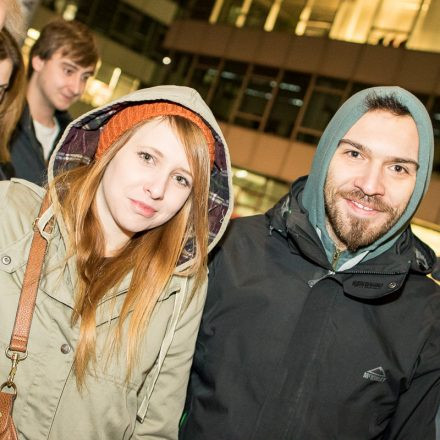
[[168, 397], [416, 410]]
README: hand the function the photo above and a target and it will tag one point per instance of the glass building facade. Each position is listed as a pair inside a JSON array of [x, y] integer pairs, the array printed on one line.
[[285, 103], [399, 23], [272, 99]]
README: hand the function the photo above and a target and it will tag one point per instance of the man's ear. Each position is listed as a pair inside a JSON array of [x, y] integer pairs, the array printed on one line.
[[37, 63]]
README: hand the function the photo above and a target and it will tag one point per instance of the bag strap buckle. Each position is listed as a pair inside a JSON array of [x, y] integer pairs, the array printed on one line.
[[15, 357]]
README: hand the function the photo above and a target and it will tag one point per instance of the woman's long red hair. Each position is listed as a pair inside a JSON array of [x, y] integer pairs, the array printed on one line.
[[150, 257]]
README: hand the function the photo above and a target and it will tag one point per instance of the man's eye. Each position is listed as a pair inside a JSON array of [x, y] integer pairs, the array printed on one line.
[[400, 169], [353, 153]]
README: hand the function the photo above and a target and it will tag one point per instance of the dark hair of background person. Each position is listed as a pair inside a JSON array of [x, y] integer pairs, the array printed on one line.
[[75, 40], [12, 103]]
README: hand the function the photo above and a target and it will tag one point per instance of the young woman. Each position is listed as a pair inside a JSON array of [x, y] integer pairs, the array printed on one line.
[[12, 96], [140, 190]]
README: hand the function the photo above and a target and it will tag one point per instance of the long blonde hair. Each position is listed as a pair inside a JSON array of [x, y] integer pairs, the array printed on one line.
[[14, 20], [13, 100], [151, 256]]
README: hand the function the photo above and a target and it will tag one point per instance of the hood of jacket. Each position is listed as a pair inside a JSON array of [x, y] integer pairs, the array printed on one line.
[[367, 280], [347, 115], [79, 142]]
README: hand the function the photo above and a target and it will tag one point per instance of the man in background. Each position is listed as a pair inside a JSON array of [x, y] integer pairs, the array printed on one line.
[[60, 63]]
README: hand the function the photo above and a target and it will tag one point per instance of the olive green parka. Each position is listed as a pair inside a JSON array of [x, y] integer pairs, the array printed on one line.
[[48, 404]]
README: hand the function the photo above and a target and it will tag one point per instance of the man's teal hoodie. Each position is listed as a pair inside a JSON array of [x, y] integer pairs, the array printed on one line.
[[313, 196]]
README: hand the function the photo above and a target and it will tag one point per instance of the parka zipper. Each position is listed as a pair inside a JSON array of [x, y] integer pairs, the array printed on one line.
[[311, 283]]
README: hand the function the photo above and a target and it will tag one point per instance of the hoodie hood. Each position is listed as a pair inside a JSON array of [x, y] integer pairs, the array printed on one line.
[[79, 143], [347, 115]]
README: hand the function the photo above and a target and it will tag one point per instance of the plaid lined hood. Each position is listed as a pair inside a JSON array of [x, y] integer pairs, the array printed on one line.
[[79, 142]]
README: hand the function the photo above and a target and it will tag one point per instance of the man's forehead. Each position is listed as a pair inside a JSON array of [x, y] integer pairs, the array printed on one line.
[[377, 115], [62, 55], [383, 132]]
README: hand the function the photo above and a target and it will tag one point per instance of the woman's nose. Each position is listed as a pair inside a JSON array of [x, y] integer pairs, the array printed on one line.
[[156, 186]]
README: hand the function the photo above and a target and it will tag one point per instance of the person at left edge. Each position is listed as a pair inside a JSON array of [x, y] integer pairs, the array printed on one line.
[[124, 280], [12, 95]]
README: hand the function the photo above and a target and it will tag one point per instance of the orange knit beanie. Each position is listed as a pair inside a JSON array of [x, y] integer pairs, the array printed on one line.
[[129, 116]]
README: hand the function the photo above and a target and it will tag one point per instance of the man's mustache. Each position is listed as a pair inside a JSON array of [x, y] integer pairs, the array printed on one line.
[[373, 202]]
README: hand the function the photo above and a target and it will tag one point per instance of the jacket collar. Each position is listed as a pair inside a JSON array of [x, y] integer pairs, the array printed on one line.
[[370, 279]]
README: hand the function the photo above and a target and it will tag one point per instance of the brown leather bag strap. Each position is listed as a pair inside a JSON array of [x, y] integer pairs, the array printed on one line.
[[7, 428], [23, 321], [32, 275]]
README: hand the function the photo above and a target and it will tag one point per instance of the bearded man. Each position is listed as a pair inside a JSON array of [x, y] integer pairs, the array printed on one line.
[[320, 321]]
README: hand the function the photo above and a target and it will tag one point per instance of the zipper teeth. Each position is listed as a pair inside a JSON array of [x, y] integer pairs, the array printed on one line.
[[365, 272]]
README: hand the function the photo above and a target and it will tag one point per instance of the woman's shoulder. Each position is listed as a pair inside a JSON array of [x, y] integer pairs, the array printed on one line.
[[17, 189], [20, 201]]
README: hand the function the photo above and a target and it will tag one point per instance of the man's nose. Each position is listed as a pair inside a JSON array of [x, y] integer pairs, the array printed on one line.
[[371, 181], [156, 186], [77, 85]]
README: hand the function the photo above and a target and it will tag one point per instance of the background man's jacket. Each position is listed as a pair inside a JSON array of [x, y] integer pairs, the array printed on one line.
[[26, 151]]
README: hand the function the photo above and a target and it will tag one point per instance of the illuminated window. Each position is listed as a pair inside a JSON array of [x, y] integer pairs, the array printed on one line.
[[354, 20], [204, 75], [288, 16], [317, 17], [254, 193], [289, 99], [258, 91], [385, 22], [227, 90], [426, 34], [108, 83], [325, 100], [393, 22]]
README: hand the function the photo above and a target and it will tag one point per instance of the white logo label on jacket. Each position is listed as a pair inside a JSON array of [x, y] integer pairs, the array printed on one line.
[[376, 375]]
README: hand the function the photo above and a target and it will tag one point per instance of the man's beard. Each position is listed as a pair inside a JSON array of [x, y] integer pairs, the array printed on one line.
[[352, 231]]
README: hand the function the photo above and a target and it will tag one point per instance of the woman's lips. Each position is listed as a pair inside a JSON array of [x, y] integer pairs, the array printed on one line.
[[142, 208]]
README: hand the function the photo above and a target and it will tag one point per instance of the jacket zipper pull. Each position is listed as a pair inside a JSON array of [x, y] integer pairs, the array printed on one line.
[[311, 283], [270, 230]]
